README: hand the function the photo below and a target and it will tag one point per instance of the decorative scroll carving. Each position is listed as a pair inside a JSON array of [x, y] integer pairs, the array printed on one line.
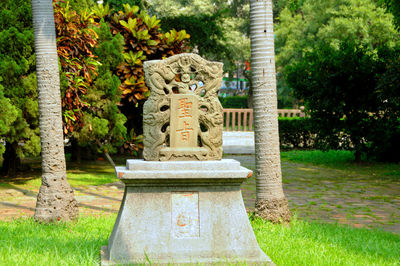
[[182, 118]]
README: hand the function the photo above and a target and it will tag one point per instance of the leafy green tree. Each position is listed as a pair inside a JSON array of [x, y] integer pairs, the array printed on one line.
[[393, 6], [384, 142], [8, 115], [359, 21], [293, 5], [350, 97], [219, 29], [331, 55], [302, 27], [104, 129], [90, 90], [20, 132]]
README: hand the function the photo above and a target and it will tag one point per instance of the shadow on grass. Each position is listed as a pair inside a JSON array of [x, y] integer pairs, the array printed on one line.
[[26, 192], [96, 194], [92, 167], [96, 208], [21, 178], [12, 205], [33, 194]]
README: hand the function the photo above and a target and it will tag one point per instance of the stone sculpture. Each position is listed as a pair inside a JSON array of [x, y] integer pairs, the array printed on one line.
[[178, 211], [182, 118]]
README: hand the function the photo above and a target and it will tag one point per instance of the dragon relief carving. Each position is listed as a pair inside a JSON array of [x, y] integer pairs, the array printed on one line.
[[182, 118]]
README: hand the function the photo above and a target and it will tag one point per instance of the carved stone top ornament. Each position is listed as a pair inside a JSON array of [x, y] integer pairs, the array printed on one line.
[[182, 118]]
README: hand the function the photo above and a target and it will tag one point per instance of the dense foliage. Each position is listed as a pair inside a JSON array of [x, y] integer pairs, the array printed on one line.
[[297, 133], [75, 42], [352, 103], [90, 92], [102, 55], [19, 132], [142, 39], [393, 6], [234, 102], [117, 5], [101, 60], [301, 25], [335, 56], [219, 29]]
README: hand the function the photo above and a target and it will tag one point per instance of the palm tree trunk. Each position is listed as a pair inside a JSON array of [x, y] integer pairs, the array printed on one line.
[[271, 203], [56, 199]]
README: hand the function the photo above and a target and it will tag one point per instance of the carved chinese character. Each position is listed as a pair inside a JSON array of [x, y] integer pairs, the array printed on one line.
[[184, 121], [184, 132], [184, 107]]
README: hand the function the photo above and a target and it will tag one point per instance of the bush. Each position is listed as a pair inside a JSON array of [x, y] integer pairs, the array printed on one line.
[[237, 102], [296, 132], [383, 141], [117, 5]]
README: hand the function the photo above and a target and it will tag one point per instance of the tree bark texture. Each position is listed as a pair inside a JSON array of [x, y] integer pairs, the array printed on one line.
[[271, 203], [56, 199]]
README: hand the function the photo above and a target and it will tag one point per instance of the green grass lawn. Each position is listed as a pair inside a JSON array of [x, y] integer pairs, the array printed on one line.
[[343, 160], [24, 242], [327, 158]]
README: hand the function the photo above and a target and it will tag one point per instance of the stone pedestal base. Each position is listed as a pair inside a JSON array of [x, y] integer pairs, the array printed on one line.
[[182, 213]]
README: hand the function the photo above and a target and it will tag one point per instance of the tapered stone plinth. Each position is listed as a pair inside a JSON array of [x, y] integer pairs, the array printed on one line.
[[180, 212]]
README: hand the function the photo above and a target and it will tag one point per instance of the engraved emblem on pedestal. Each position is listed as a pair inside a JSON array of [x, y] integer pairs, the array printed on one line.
[[185, 214]]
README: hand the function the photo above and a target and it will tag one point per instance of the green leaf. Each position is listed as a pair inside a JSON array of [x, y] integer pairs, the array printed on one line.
[[130, 9], [131, 25], [152, 42]]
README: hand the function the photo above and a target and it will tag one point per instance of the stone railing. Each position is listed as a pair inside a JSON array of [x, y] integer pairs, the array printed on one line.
[[242, 119]]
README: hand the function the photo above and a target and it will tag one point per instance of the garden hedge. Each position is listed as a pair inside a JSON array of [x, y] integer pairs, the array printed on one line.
[[237, 102], [296, 132]]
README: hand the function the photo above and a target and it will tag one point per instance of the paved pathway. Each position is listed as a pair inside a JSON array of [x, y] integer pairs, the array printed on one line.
[[314, 193]]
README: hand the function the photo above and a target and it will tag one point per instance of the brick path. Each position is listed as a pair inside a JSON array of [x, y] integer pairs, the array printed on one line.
[[314, 193]]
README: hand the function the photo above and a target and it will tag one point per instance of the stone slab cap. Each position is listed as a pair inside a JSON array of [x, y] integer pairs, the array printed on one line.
[[170, 172], [225, 164]]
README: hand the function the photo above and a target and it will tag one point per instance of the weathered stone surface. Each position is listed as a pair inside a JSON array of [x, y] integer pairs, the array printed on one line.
[[236, 142], [182, 118], [181, 221], [225, 165]]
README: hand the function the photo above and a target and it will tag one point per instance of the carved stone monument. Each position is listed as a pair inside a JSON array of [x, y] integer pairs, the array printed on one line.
[[182, 204], [182, 118]]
